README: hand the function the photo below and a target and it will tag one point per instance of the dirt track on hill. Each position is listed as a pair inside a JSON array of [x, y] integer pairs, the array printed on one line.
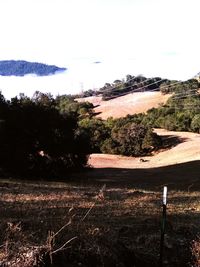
[[177, 164], [180, 147]]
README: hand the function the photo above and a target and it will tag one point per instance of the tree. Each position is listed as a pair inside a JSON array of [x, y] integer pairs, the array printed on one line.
[[195, 124], [151, 141], [66, 104], [133, 139], [96, 131], [38, 140], [165, 87]]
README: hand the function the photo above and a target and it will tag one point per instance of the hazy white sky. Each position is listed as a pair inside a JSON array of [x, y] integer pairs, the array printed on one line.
[[149, 37]]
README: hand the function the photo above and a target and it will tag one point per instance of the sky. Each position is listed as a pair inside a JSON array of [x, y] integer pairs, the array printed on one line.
[[148, 37]]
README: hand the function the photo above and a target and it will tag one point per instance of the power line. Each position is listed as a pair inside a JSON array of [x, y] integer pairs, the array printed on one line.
[[124, 88], [143, 87], [177, 96], [172, 99], [183, 96]]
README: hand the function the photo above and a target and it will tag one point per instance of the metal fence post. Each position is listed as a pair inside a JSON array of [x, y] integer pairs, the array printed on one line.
[[163, 224]]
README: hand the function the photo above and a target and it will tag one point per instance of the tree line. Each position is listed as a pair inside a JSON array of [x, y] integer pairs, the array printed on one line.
[[47, 136], [180, 113], [133, 135], [140, 83], [44, 136], [37, 138]]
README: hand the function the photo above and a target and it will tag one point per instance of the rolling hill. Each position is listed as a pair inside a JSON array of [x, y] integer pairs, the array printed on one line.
[[181, 147], [128, 104], [22, 67]]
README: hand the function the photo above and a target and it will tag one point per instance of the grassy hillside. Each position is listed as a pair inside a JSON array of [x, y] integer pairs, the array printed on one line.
[[128, 104], [77, 224]]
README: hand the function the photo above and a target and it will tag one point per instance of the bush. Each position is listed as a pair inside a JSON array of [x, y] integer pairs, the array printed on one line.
[[131, 139]]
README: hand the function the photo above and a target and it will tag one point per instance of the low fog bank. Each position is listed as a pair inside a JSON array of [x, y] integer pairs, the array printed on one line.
[[81, 75]]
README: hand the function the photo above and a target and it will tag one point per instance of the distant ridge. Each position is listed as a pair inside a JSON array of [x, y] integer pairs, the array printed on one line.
[[22, 67], [132, 103]]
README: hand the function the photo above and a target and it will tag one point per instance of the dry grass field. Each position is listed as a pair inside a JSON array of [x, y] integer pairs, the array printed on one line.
[[125, 219], [116, 226], [128, 104]]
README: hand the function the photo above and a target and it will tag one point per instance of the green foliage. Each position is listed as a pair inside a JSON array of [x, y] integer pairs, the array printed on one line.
[[151, 141], [132, 84], [186, 88], [110, 146], [195, 124], [125, 136], [67, 105], [129, 138], [133, 139], [180, 112], [36, 139], [127, 85], [166, 88], [97, 133], [140, 83]]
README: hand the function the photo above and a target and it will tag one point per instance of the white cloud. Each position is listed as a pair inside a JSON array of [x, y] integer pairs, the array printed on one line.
[[162, 36]]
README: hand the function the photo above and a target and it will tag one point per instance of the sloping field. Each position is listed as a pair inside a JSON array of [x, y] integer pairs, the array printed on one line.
[[128, 104], [110, 215], [180, 147]]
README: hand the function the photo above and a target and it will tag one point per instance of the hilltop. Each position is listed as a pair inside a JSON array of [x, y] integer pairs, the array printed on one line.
[[132, 103], [22, 67], [138, 94]]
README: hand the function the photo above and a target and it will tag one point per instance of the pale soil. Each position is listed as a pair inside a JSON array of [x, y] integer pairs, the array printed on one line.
[[129, 104], [187, 149], [187, 144]]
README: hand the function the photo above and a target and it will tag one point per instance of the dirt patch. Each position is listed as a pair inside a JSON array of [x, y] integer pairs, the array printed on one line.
[[179, 147]]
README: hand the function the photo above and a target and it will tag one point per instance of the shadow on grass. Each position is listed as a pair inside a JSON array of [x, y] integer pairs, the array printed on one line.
[[184, 176], [104, 235], [97, 113], [120, 224], [169, 141]]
